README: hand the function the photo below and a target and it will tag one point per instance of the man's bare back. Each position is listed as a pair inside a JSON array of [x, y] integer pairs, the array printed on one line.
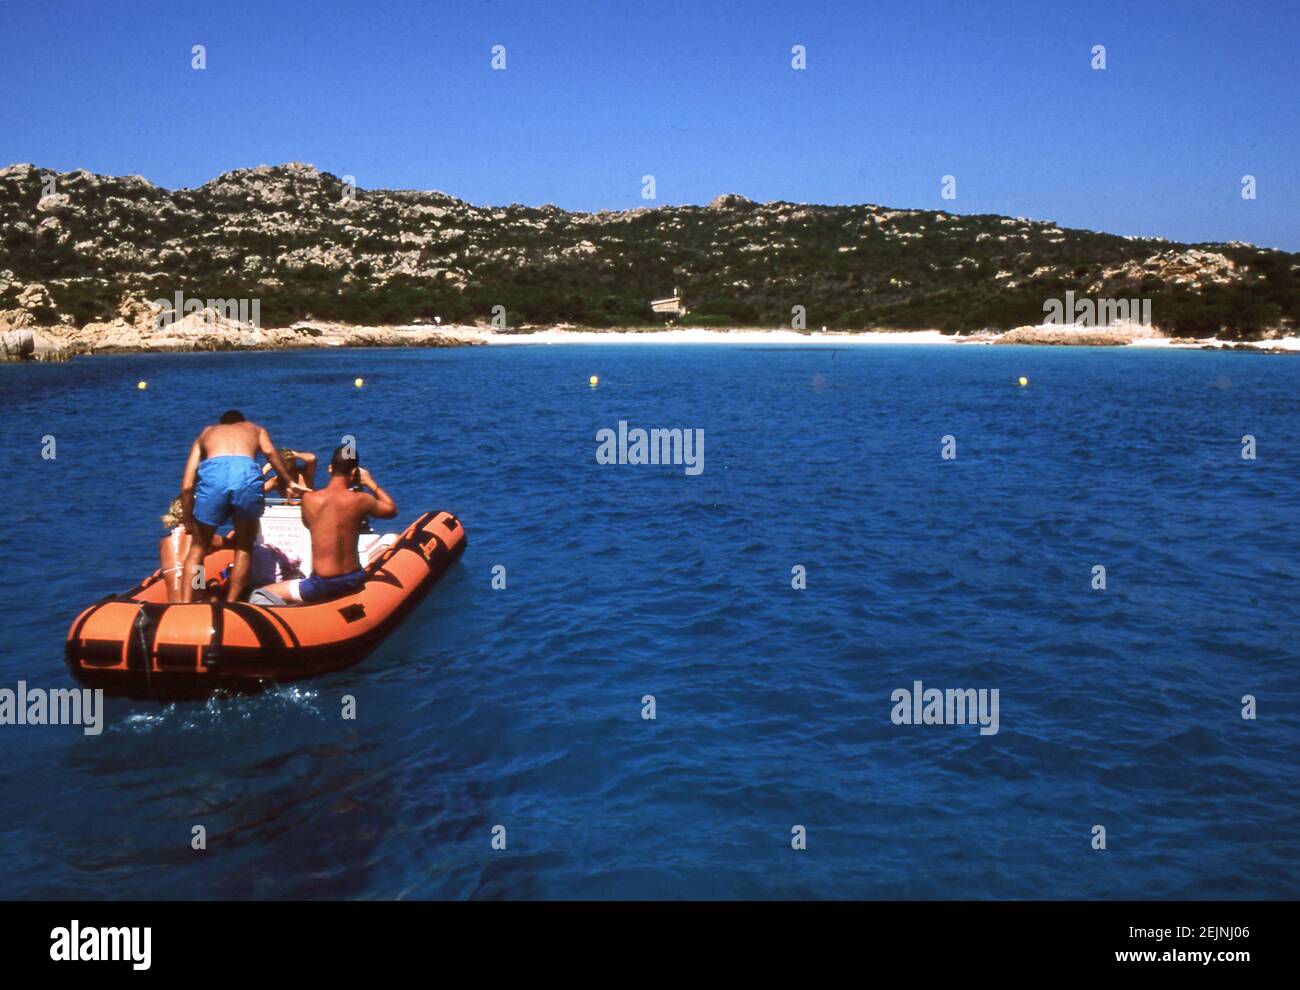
[[335, 518], [230, 440]]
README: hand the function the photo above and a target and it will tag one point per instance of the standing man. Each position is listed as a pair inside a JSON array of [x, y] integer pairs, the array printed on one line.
[[222, 480], [335, 515]]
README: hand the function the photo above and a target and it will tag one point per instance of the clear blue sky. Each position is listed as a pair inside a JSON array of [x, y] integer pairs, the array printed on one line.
[[700, 94]]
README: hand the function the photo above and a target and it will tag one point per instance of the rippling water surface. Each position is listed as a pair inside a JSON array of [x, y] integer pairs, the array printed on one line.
[[522, 707]]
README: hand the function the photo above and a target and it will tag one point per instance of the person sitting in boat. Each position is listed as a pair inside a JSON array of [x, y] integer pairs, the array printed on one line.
[[222, 481], [175, 546], [301, 464], [334, 516], [269, 564]]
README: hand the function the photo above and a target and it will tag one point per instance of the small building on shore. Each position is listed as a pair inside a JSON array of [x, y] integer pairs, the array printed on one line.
[[673, 305]]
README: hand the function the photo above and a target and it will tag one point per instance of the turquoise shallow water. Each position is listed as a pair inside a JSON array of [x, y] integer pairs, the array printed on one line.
[[522, 707]]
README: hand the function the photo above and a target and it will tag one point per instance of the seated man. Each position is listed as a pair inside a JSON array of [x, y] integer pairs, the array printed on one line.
[[334, 516], [301, 465]]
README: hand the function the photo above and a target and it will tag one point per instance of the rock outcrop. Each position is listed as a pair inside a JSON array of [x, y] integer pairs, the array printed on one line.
[[209, 330], [1078, 335], [25, 344]]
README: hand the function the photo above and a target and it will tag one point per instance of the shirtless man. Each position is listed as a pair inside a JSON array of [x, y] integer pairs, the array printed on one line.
[[335, 515], [222, 479]]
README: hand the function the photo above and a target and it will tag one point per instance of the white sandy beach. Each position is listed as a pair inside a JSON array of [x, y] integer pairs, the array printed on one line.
[[701, 335], [691, 335], [208, 331], [1279, 343]]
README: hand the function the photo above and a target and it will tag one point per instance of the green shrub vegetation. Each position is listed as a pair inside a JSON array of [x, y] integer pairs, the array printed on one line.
[[283, 236]]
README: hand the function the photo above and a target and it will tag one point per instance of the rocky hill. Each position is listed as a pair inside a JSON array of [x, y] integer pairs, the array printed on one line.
[[76, 248]]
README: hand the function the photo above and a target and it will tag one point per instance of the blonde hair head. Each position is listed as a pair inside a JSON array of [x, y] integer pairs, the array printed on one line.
[[172, 518]]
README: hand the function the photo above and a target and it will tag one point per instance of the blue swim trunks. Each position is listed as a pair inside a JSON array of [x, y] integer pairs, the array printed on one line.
[[228, 485], [320, 589]]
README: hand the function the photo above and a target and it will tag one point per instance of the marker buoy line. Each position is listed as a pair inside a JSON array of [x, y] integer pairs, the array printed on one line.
[[358, 382], [593, 381], [1023, 381], [142, 385]]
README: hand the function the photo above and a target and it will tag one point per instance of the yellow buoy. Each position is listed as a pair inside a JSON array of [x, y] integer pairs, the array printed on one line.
[[142, 385], [594, 381], [1023, 381], [359, 382]]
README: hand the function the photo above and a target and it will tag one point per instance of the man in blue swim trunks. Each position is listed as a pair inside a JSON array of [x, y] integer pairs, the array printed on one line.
[[222, 482], [335, 515]]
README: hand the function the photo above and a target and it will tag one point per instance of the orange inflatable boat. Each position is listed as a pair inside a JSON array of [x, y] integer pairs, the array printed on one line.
[[137, 644]]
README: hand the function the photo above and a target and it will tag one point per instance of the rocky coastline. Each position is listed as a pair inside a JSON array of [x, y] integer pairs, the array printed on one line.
[[136, 330], [87, 261]]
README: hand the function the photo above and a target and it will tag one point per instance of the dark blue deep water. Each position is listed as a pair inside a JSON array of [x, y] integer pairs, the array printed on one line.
[[522, 707]]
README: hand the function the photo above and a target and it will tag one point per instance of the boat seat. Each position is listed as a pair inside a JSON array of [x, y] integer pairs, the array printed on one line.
[[371, 545], [282, 527]]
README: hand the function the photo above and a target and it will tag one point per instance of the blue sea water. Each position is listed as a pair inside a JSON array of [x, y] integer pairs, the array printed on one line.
[[523, 707]]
